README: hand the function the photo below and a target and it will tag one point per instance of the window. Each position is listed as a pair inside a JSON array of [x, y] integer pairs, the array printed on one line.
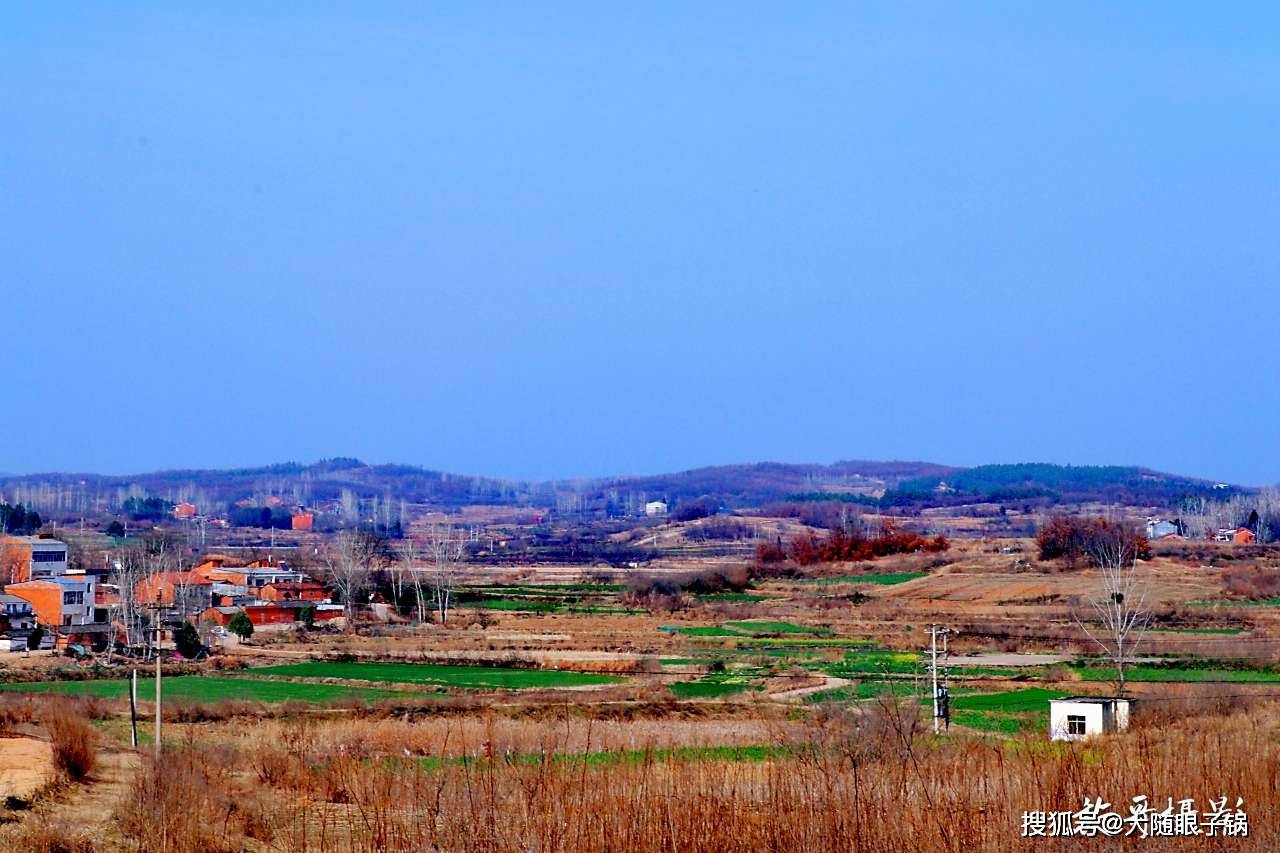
[[49, 556], [1075, 724], [73, 598]]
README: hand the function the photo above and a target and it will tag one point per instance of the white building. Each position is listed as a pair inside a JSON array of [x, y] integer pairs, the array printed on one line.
[[1079, 717], [34, 557], [653, 508], [1158, 528]]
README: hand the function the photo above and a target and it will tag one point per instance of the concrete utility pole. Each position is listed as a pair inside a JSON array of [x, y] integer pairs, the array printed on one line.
[[133, 709], [941, 699], [157, 690], [157, 610]]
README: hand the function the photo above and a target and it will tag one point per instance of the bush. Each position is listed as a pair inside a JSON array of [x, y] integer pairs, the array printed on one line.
[[1074, 539], [1253, 583], [851, 544], [185, 803], [187, 641], [73, 741], [771, 552], [241, 625], [693, 510]]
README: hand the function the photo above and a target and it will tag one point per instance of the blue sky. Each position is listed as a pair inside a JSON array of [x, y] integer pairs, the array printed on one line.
[[565, 239]]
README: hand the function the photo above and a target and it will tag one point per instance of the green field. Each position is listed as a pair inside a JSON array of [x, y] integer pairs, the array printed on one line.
[[874, 662], [861, 690], [198, 688], [1009, 701], [1008, 712], [440, 675], [752, 629], [707, 631], [709, 688], [560, 590], [811, 643], [757, 627], [1177, 673], [522, 605], [1231, 631]]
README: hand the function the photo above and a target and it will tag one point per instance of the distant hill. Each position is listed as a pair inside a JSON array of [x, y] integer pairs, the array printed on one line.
[[1031, 481], [890, 484]]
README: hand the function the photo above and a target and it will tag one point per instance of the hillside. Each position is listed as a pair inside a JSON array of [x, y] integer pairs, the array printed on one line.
[[889, 484]]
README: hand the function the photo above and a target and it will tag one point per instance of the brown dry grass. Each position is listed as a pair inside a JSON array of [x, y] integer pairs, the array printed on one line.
[[873, 782], [74, 743]]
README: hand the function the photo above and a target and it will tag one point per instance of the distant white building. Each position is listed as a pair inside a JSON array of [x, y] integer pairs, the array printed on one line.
[[1159, 528], [1079, 717], [655, 508]]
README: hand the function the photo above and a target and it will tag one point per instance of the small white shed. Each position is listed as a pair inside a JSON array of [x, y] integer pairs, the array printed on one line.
[[1078, 717], [653, 508]]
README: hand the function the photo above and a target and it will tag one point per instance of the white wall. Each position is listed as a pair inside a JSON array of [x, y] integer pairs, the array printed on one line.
[[1098, 718], [1059, 711]]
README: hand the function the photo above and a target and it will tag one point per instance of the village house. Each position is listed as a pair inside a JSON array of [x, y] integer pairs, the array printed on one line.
[[1234, 535], [1159, 528], [25, 558], [273, 614], [293, 591], [16, 613], [184, 510], [1079, 717], [59, 602], [186, 591], [655, 508], [210, 563]]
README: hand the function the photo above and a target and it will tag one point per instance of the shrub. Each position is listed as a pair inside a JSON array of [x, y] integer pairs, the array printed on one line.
[[1253, 583], [771, 552], [187, 641], [693, 510], [185, 803], [1074, 539], [45, 834], [73, 741], [850, 544], [241, 625]]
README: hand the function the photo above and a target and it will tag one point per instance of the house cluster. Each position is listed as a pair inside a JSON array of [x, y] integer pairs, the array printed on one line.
[[300, 518], [269, 593], [41, 589], [74, 607], [1160, 528]]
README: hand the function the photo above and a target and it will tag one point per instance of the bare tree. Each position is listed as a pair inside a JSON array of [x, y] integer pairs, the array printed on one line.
[[1268, 506], [350, 559], [400, 569], [1119, 607], [136, 566], [445, 549]]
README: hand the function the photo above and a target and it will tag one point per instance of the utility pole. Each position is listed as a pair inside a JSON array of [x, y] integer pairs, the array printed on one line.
[[133, 709], [941, 696], [157, 650]]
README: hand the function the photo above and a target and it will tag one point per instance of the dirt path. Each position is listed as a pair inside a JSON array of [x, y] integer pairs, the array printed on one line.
[[91, 806], [71, 813], [829, 683]]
